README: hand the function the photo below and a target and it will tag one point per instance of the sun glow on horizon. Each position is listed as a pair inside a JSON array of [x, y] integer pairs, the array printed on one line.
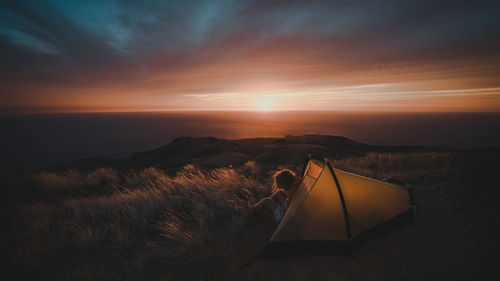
[[265, 105], [396, 96]]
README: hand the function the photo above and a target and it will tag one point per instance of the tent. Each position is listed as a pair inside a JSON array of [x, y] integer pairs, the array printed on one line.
[[332, 209]]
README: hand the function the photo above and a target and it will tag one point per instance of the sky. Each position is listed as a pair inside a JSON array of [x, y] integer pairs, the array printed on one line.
[[124, 55]]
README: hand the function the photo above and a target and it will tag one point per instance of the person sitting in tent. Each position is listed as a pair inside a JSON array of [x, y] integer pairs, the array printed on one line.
[[284, 186]]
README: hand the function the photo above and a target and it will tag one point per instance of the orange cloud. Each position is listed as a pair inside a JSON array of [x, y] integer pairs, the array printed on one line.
[[282, 73]]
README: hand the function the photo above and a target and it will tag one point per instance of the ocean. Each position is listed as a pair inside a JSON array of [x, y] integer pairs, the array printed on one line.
[[36, 140]]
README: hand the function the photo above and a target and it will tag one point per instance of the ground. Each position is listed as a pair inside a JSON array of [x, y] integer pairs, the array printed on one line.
[[147, 224], [453, 240]]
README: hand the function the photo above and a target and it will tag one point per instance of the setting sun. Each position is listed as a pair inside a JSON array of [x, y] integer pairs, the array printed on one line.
[[265, 105]]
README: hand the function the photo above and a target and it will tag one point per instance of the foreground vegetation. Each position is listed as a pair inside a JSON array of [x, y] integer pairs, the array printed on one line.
[[106, 225]]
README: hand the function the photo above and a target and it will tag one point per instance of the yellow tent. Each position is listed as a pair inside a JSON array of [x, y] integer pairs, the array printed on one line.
[[332, 208]]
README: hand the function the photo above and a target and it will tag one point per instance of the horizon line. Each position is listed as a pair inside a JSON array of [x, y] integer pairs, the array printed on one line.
[[35, 112]]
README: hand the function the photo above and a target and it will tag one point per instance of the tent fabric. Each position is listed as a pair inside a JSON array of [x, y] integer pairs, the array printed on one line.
[[314, 168], [370, 202], [305, 220], [334, 205]]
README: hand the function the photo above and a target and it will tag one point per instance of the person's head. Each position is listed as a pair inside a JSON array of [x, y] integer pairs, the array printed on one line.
[[283, 179]]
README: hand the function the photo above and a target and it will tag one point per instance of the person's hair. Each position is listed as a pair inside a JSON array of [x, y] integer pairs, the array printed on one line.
[[283, 179]]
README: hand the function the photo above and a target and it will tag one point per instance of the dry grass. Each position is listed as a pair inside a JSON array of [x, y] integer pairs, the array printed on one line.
[[178, 219], [109, 225], [415, 168]]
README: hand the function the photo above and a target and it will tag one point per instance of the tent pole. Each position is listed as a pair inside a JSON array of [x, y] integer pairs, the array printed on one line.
[[413, 204], [304, 167], [342, 201]]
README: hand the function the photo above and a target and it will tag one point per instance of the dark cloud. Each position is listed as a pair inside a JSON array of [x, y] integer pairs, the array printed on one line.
[[51, 41]]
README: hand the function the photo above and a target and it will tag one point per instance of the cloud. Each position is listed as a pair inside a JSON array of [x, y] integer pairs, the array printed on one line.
[[155, 48]]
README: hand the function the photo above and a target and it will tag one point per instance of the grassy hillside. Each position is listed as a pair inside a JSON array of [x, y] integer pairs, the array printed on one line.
[[213, 152], [103, 224], [197, 225]]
